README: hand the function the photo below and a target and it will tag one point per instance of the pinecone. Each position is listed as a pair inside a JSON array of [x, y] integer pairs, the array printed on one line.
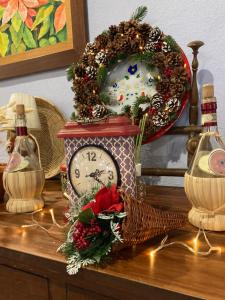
[[166, 47], [157, 101], [162, 87], [172, 105], [101, 57], [155, 35], [144, 30], [85, 59], [99, 111], [129, 28], [113, 30], [90, 49], [83, 111], [160, 120], [177, 89], [101, 41], [173, 59], [79, 71], [91, 71], [179, 75], [151, 46], [159, 60]]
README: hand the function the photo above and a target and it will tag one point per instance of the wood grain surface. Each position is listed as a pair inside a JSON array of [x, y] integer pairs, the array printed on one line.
[[173, 273]]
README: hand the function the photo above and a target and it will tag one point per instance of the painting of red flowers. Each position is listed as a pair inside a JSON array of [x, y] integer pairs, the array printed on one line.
[[33, 30]]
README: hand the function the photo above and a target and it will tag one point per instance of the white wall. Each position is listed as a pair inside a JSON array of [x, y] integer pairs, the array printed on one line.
[[185, 21]]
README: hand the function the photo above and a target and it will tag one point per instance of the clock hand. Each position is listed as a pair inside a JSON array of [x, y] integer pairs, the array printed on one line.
[[97, 173]]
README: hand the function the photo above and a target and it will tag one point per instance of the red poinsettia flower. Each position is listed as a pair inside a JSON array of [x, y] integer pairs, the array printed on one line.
[[25, 8], [106, 200], [60, 17]]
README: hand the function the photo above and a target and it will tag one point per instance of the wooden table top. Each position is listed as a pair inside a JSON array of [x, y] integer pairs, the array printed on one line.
[[173, 268]]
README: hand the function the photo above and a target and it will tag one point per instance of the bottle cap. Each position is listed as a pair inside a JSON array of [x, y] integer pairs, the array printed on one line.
[[20, 110], [207, 90]]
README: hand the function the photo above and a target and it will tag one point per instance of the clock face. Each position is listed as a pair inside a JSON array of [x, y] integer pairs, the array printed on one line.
[[91, 166]]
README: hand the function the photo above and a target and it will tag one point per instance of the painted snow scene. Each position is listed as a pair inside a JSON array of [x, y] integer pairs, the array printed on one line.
[[29, 24], [128, 80]]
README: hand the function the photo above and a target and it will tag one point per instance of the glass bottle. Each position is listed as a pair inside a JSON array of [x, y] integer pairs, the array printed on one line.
[[205, 180], [209, 160], [23, 157]]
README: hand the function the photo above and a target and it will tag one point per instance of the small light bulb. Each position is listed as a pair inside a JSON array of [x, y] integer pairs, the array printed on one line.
[[158, 77], [93, 91], [137, 36], [122, 34], [185, 65], [152, 253], [141, 48]]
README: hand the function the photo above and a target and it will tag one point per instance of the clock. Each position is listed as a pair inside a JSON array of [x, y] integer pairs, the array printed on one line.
[[99, 154], [92, 165]]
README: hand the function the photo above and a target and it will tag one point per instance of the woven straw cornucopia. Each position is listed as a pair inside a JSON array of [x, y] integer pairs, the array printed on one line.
[[144, 222]]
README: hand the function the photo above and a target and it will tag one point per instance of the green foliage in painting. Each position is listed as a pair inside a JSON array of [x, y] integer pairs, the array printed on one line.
[[31, 24]]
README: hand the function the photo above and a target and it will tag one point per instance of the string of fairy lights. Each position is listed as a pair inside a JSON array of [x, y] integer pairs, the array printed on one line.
[[164, 243]]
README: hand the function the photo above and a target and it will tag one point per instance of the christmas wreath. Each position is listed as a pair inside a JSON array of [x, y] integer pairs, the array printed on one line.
[[142, 43]]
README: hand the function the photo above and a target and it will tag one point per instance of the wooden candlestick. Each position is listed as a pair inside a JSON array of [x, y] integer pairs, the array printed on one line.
[[193, 110]]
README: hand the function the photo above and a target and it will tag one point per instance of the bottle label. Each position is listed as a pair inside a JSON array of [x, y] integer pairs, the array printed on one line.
[[21, 131], [16, 163], [209, 119]]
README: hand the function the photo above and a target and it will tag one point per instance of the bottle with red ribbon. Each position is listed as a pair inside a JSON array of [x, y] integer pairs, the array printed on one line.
[[23, 157], [205, 180]]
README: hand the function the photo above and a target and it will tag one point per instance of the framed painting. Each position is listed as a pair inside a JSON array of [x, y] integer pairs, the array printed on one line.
[[39, 35]]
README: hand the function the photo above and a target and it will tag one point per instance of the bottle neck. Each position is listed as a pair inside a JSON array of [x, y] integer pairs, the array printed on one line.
[[21, 127]]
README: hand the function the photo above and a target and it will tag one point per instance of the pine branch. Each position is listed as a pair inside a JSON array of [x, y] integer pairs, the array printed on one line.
[[70, 72], [104, 98], [101, 75], [144, 56], [172, 43], [136, 107], [139, 13]]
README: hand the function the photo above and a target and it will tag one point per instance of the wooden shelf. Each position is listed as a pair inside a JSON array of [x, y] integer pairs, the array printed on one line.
[[30, 267]]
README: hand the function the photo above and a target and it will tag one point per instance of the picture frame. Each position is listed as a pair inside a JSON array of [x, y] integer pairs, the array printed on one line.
[[49, 57]]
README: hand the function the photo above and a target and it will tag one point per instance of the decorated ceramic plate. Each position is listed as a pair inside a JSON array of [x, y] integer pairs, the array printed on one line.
[[132, 69]]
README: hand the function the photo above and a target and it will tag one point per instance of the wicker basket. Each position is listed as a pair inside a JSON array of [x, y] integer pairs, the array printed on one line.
[[2, 191], [144, 222]]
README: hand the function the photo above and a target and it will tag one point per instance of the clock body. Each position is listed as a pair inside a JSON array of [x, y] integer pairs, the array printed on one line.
[[105, 149]]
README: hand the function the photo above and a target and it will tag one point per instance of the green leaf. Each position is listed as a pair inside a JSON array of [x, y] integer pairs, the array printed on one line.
[[52, 40], [139, 13], [20, 49], [62, 35], [4, 27], [43, 43], [16, 36], [2, 9], [52, 28], [16, 22], [43, 13], [86, 215], [44, 28], [4, 43], [28, 38]]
